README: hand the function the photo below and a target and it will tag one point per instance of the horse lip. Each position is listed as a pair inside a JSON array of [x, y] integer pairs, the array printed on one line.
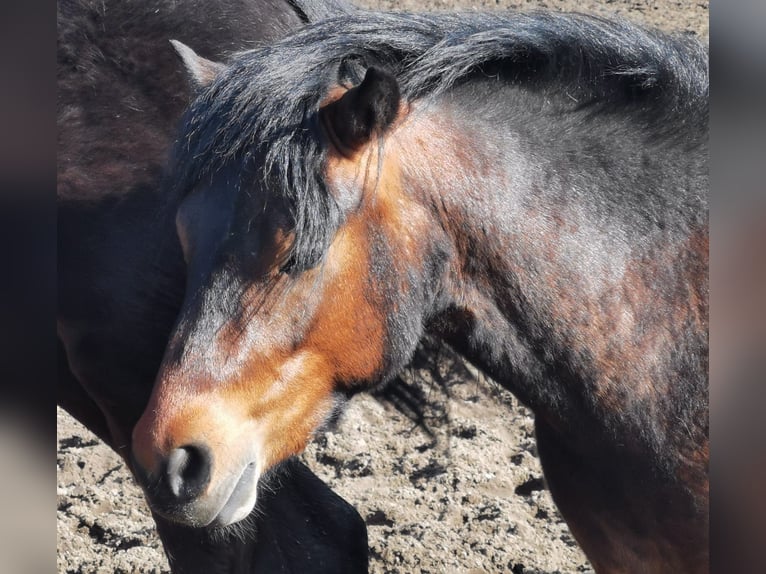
[[239, 495]]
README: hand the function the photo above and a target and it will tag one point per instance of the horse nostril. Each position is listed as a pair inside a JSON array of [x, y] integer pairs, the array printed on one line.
[[188, 471]]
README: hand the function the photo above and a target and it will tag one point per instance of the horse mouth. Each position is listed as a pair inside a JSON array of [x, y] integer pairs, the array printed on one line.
[[231, 503], [241, 500]]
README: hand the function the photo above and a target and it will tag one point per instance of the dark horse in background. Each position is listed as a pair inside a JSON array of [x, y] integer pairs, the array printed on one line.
[[121, 273], [530, 188]]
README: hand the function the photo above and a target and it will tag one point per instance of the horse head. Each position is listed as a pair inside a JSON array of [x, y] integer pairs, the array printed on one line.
[[305, 285]]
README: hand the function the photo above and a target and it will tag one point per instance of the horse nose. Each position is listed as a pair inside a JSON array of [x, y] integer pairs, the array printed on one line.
[[187, 472], [177, 478]]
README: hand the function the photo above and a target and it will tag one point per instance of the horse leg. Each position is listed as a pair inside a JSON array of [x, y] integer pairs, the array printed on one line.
[[301, 526], [626, 520]]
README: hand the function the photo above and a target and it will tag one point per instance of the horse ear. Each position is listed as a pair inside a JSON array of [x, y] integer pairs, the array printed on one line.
[[201, 71], [363, 111]]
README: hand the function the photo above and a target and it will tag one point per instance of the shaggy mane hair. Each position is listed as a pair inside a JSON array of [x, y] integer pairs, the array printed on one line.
[[265, 105]]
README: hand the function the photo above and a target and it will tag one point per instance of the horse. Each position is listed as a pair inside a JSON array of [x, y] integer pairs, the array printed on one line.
[[530, 188], [121, 273]]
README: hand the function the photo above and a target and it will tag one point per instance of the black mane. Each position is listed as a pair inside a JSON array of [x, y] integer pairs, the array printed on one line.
[[274, 93]]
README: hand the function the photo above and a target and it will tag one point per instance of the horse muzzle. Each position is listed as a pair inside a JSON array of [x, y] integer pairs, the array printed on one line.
[[180, 488]]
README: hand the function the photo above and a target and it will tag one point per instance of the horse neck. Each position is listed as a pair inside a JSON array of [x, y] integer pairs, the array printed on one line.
[[551, 279]]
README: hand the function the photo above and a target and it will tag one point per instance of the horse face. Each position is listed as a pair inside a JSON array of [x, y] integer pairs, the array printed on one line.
[[262, 351]]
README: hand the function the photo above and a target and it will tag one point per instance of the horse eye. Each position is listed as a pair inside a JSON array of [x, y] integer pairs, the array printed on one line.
[[288, 267]]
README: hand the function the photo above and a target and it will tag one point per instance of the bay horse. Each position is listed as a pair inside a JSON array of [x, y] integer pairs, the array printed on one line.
[[531, 188], [121, 273]]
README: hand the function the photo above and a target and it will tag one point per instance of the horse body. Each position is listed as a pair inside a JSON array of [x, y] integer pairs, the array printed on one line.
[[121, 273], [593, 313], [531, 189]]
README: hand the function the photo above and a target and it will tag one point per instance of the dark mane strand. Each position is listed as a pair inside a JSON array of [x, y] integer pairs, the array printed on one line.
[[275, 91]]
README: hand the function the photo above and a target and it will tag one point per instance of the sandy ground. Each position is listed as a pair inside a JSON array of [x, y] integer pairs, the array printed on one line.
[[456, 488]]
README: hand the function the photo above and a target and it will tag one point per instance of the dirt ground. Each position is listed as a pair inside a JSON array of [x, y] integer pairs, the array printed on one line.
[[458, 490]]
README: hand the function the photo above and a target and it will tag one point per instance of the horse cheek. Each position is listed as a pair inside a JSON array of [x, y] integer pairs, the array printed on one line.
[[349, 330]]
